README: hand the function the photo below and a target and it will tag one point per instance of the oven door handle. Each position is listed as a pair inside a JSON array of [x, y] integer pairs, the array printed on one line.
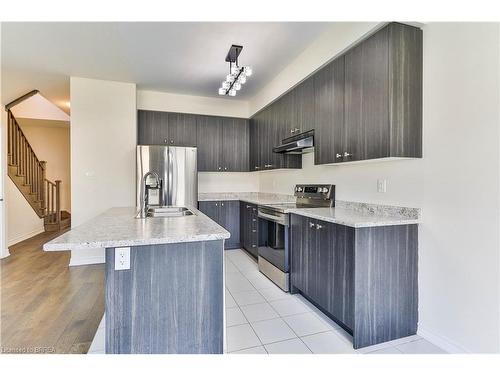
[[276, 219]]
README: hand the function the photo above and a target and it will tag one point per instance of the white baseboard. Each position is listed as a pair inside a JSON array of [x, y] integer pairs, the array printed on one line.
[[24, 236], [443, 342]]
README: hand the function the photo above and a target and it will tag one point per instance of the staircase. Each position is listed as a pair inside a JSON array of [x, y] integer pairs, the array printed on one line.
[[28, 174]]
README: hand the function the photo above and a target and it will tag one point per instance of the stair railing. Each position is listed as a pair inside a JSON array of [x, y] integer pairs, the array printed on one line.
[[33, 170], [53, 200]]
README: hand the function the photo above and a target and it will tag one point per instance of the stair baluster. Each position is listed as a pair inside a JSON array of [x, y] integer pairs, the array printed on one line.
[[29, 174]]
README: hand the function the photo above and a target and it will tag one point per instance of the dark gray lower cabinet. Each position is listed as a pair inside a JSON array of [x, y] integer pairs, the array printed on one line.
[[169, 301], [364, 278], [227, 215], [249, 228]]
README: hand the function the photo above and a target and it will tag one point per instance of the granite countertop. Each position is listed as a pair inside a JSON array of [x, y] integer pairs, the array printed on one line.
[[361, 215], [352, 214], [351, 218], [249, 197], [119, 227]]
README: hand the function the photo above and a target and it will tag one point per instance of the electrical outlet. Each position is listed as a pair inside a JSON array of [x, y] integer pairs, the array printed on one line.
[[122, 258], [382, 186]]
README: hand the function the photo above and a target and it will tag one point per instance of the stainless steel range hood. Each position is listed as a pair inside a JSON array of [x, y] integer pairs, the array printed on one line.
[[298, 144]]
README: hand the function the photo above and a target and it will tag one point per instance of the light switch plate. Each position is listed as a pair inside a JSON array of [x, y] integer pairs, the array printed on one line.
[[122, 258], [382, 185]]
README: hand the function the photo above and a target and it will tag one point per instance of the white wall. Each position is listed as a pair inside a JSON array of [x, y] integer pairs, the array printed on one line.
[[456, 183], [22, 221], [214, 182], [103, 140], [4, 251], [168, 102]]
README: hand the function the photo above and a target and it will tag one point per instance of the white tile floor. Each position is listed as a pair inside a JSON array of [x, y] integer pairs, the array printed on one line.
[[281, 323], [261, 318]]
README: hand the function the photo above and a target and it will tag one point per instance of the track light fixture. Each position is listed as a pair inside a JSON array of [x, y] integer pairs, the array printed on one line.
[[237, 75]]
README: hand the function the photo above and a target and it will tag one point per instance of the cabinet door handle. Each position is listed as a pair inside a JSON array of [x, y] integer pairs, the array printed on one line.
[[338, 156], [254, 220], [292, 131], [311, 225], [257, 167], [222, 204], [319, 226], [346, 154], [216, 204], [248, 206], [165, 140], [296, 130], [171, 141], [254, 230], [254, 245], [225, 168], [220, 168]]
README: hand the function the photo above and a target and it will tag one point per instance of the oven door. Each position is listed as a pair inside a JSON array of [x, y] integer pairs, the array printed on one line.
[[274, 238]]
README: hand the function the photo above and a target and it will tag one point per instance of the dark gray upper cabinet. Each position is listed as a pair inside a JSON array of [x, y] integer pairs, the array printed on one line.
[[267, 130], [329, 109], [166, 128], [235, 144], [152, 127], [223, 144], [254, 152], [383, 95], [181, 129], [304, 114], [209, 143]]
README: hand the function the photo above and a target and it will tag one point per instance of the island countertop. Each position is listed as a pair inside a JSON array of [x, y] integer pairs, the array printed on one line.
[[118, 227]]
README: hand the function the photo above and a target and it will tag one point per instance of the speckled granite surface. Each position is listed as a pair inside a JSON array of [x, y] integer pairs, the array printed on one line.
[[353, 214], [352, 218], [119, 227]]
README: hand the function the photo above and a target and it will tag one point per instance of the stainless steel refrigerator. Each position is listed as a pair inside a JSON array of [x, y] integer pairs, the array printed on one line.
[[177, 171]]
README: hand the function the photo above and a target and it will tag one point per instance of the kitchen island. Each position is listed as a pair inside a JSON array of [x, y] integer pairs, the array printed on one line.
[[164, 280]]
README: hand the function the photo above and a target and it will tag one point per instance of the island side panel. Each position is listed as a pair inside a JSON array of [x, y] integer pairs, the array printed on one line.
[[386, 291], [169, 301]]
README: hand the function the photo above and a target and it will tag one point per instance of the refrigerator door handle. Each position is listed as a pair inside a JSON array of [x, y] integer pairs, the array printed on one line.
[[170, 176]]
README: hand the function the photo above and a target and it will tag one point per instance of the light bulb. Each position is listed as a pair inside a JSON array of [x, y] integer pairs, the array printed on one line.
[[222, 91], [232, 92], [235, 70], [248, 71], [237, 86], [242, 79], [226, 84], [229, 78]]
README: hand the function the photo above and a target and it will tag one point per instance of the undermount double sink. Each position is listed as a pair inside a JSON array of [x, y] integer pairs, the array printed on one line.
[[167, 211]]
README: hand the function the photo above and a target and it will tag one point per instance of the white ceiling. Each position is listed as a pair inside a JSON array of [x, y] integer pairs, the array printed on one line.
[[184, 58]]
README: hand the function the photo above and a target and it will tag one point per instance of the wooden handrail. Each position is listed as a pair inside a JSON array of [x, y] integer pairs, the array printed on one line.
[[33, 172], [21, 99]]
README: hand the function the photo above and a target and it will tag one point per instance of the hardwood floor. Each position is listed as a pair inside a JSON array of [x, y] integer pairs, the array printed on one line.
[[45, 305]]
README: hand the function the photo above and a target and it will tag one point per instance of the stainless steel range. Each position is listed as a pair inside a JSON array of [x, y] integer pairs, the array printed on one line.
[[274, 234]]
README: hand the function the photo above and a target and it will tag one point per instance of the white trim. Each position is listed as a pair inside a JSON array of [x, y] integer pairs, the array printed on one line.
[[82, 261], [442, 342], [22, 237]]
